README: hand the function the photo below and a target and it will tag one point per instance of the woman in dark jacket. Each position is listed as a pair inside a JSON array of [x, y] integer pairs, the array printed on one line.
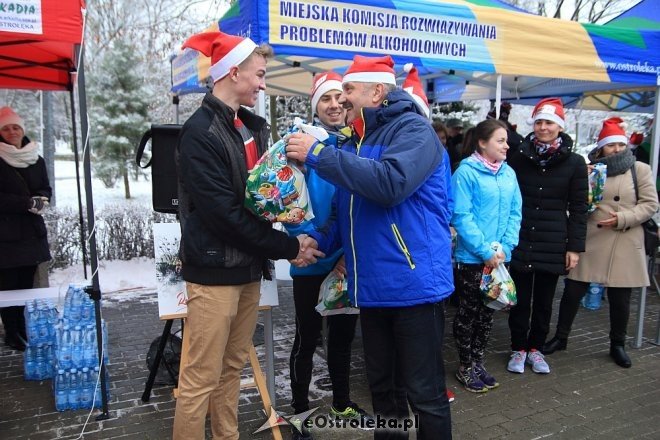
[[553, 183], [24, 194]]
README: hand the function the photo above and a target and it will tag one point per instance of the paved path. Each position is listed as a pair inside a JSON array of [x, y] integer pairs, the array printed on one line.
[[585, 397]]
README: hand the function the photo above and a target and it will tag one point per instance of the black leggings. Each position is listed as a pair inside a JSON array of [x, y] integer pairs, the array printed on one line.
[[618, 297], [341, 330], [13, 279]]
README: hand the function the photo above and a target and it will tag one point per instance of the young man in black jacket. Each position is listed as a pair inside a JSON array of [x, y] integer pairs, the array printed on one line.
[[224, 248]]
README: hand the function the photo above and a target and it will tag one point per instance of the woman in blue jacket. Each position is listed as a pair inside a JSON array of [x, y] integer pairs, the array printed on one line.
[[488, 208]]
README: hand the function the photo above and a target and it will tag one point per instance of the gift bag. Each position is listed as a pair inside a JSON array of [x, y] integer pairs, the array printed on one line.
[[596, 184], [276, 188], [497, 286], [333, 297]]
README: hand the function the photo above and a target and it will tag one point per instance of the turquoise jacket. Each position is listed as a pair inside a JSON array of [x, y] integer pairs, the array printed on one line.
[[320, 193], [487, 208]]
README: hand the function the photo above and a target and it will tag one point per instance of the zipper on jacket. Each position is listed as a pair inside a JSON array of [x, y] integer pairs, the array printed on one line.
[[402, 245], [350, 215]]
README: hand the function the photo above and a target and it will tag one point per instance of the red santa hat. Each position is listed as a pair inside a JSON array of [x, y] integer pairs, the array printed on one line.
[[323, 83], [613, 131], [371, 70], [226, 51], [414, 87], [9, 116], [550, 109]]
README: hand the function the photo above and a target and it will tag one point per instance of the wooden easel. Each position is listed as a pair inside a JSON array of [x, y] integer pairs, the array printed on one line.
[[258, 379]]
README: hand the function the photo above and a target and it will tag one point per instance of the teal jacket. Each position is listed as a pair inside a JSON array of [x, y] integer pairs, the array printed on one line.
[[487, 208]]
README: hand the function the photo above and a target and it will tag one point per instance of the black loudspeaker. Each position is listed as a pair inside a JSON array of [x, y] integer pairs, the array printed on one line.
[[163, 168]]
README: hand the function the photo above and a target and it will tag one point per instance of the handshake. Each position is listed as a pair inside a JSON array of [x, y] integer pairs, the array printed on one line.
[[38, 204], [308, 252]]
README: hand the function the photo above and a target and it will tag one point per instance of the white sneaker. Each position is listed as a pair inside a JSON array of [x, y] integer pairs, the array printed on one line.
[[538, 363], [517, 362]]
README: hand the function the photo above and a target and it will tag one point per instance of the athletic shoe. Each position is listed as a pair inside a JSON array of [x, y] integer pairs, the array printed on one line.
[[354, 412], [517, 362], [538, 363], [451, 396], [298, 430], [485, 376], [470, 380]]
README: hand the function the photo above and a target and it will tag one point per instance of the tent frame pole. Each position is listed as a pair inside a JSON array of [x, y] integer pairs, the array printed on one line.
[[94, 291], [77, 162]]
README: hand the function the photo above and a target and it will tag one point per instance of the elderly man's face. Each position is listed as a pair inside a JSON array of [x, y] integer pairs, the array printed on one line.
[[356, 96]]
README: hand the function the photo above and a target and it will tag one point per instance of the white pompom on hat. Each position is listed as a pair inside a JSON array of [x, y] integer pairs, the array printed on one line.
[[613, 131], [413, 85], [226, 51], [9, 116], [371, 70], [550, 109], [322, 84]]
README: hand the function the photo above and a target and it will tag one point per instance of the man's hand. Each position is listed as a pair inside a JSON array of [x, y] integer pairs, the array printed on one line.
[[572, 259], [340, 268], [298, 146], [308, 252], [38, 204]]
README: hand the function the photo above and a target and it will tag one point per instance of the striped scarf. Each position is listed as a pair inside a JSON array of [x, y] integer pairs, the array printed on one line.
[[545, 151], [492, 166]]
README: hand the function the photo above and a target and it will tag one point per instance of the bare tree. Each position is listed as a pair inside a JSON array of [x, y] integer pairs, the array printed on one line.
[[588, 11]]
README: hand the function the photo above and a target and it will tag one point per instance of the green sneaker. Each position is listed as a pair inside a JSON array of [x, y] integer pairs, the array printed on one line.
[[365, 421]]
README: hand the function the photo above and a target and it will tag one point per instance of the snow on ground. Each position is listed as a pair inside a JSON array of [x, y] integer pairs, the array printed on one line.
[[67, 194]]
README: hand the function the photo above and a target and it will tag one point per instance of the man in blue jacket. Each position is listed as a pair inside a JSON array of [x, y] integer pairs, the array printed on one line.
[[307, 281], [393, 224]]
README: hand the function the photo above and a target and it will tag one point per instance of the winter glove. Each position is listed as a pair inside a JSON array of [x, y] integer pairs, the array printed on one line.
[[39, 204]]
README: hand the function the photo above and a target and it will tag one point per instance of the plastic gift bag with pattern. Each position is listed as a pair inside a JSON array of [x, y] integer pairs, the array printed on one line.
[[497, 285], [276, 188], [333, 297], [597, 178]]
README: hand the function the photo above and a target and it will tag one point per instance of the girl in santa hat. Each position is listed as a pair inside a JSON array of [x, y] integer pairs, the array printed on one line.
[[24, 193], [614, 254]]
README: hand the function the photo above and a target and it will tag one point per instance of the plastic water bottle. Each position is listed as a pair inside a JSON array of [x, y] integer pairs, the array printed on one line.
[[86, 389], [51, 358], [42, 322], [76, 304], [40, 362], [90, 351], [61, 391], [31, 324], [593, 297], [65, 348], [98, 402], [77, 347], [74, 389], [29, 363]]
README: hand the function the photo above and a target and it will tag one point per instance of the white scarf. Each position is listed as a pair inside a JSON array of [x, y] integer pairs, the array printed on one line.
[[19, 157]]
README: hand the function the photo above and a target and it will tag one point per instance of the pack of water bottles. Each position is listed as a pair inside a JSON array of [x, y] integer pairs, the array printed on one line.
[[78, 389], [39, 357]]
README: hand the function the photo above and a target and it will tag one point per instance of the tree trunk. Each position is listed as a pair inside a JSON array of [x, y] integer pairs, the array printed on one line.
[[48, 139], [127, 187]]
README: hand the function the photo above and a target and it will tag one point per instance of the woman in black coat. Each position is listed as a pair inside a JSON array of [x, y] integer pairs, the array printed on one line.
[[24, 194], [553, 183]]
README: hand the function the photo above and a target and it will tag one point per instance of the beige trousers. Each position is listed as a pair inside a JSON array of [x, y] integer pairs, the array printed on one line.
[[219, 329]]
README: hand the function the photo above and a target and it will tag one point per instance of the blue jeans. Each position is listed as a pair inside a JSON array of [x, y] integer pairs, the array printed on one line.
[[403, 349]]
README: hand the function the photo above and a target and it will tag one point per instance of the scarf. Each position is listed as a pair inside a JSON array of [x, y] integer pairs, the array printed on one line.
[[545, 151], [492, 166], [19, 157], [338, 130], [617, 163]]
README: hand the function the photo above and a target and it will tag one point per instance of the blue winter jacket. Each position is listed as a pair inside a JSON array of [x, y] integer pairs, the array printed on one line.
[[320, 193], [488, 207], [392, 204]]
